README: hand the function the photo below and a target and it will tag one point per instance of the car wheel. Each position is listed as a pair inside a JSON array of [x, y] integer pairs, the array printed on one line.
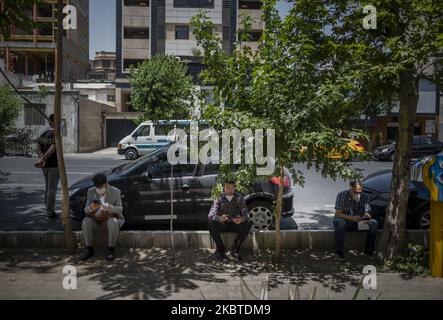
[[131, 154], [424, 218], [391, 157], [260, 215]]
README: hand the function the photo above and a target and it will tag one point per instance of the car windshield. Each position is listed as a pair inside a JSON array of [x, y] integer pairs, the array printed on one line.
[[126, 167]]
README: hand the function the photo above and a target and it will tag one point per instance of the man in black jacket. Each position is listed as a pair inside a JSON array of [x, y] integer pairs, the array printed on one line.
[[229, 214]]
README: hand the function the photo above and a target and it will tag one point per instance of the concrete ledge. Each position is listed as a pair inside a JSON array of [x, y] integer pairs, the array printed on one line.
[[293, 239]]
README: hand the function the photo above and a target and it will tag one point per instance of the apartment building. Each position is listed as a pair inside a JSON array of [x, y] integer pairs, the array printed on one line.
[[102, 68], [149, 27], [32, 53]]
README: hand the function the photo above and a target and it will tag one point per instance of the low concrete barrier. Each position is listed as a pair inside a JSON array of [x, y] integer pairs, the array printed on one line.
[[293, 239]]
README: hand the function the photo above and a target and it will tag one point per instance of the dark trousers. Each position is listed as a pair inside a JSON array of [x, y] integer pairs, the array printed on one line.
[[341, 226], [217, 228]]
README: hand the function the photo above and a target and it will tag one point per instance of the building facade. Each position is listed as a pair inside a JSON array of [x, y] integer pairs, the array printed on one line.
[[149, 27], [103, 66], [32, 53]]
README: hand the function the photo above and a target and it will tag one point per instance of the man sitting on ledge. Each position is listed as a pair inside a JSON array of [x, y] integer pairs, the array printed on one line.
[[229, 214], [103, 212]]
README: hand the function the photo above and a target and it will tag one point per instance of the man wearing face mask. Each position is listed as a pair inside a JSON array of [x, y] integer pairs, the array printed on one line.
[[229, 214], [352, 208], [103, 212]]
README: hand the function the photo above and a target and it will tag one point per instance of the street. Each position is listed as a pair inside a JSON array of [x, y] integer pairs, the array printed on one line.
[[21, 196]]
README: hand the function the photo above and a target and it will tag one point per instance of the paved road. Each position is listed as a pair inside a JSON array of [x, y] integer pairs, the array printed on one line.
[[21, 196]]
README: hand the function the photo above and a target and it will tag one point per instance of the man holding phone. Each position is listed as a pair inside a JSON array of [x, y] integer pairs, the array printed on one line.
[[352, 212], [103, 211], [229, 214]]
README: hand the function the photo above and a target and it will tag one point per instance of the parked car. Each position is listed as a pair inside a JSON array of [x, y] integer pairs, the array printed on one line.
[[149, 136], [377, 187], [145, 186], [421, 146]]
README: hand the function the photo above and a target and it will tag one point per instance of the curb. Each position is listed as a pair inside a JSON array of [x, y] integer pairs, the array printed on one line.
[[291, 239]]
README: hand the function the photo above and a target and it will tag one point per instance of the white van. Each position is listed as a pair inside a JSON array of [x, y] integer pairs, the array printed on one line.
[[148, 137]]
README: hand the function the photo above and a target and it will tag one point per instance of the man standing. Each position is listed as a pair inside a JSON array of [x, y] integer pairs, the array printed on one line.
[[229, 214], [353, 213], [49, 164], [103, 212]]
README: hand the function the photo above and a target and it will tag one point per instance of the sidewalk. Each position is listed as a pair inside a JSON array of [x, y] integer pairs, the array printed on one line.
[[108, 153], [148, 274]]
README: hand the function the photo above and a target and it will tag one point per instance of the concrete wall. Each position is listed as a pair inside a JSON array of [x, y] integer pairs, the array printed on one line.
[[91, 124], [69, 115]]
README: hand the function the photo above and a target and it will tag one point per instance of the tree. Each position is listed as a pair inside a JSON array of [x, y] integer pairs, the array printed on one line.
[[70, 240], [162, 88], [289, 85], [402, 49], [9, 111], [13, 13]]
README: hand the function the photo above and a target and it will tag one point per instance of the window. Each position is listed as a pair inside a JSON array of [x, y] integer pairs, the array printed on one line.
[[136, 3], [163, 129], [111, 98], [106, 63], [427, 141], [131, 62], [144, 131], [33, 117], [162, 169], [211, 169], [249, 4], [253, 36], [45, 10], [45, 29], [136, 33], [193, 3], [182, 32]]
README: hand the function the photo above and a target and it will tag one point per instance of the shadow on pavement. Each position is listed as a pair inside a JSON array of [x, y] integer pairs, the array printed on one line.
[[149, 274]]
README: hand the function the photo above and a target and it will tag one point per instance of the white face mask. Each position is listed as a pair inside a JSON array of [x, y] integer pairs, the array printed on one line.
[[229, 198], [357, 197], [101, 191]]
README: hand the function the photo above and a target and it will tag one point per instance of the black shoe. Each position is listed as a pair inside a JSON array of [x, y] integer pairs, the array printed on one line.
[[89, 253], [51, 216], [221, 256], [111, 254], [369, 253], [339, 257], [235, 253]]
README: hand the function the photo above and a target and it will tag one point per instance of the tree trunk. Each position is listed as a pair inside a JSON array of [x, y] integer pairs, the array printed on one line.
[[278, 209], [392, 241], [70, 241]]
